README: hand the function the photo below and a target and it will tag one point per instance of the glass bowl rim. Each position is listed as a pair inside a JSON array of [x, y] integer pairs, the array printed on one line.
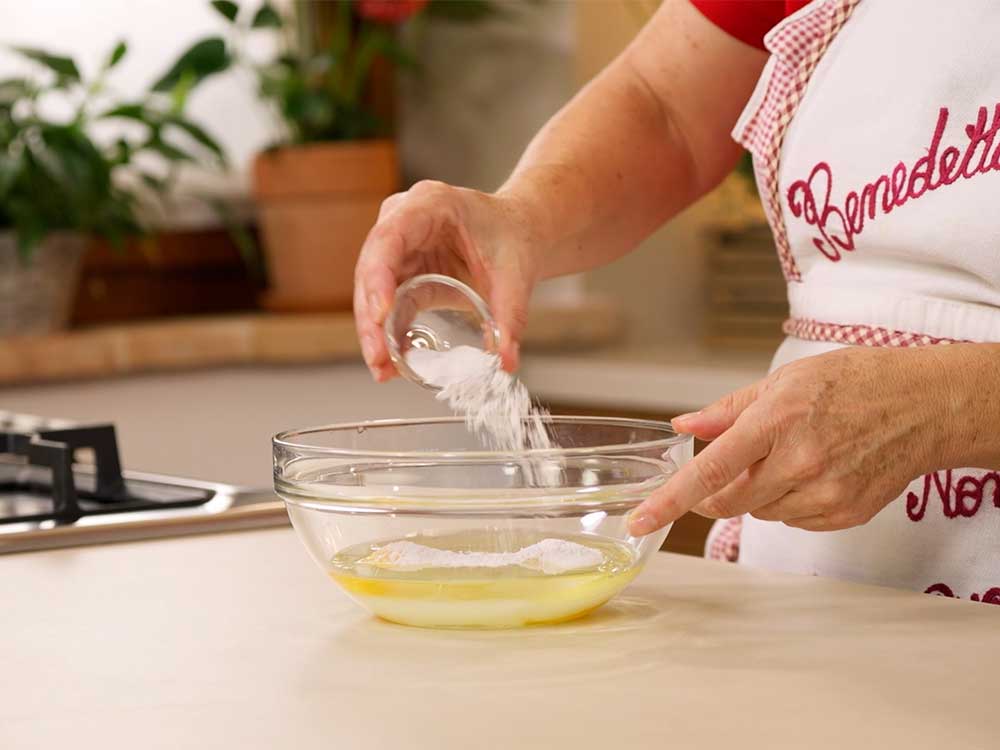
[[287, 440]]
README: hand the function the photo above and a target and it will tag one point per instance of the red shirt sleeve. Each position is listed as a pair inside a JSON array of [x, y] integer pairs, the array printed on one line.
[[747, 20]]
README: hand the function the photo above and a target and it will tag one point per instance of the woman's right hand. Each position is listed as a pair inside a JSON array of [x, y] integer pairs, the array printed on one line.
[[486, 240]]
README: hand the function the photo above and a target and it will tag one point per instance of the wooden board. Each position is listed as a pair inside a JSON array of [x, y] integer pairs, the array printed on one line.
[[169, 274]]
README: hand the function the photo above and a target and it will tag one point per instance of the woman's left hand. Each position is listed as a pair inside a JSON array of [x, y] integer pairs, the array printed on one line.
[[823, 443]]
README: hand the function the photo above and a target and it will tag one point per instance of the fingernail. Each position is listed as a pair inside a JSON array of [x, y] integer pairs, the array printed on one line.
[[642, 524], [685, 417], [375, 306]]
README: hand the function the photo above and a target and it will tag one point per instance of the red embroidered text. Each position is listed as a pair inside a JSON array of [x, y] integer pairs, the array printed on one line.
[[990, 596], [960, 497], [839, 223]]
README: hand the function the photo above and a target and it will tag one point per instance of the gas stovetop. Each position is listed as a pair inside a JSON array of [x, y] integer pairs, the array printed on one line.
[[61, 484]]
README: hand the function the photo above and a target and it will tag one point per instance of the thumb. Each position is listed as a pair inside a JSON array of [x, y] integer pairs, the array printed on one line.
[[718, 417], [509, 297]]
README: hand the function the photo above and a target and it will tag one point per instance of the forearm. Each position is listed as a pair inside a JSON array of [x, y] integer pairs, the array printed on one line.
[[970, 377], [602, 174], [638, 144]]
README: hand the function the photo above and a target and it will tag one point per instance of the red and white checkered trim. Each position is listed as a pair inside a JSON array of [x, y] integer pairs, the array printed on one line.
[[858, 335], [797, 45], [723, 541]]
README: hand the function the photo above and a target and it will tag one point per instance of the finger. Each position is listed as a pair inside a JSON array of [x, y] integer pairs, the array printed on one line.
[[400, 232], [370, 336], [815, 523], [791, 506], [760, 485], [716, 418], [707, 473], [509, 295], [389, 204], [380, 262]]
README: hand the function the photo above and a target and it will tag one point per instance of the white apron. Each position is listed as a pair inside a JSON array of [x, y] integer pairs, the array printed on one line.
[[874, 131]]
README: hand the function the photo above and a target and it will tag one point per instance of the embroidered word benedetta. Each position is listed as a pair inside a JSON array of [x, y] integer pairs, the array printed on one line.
[[838, 225]]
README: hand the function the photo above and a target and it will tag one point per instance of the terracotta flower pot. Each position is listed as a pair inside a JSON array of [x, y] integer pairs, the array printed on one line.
[[316, 204], [37, 296]]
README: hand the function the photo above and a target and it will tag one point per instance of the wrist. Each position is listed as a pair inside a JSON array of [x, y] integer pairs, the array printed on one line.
[[551, 204]]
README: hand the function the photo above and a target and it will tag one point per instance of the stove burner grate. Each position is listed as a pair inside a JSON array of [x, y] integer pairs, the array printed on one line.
[[39, 482]]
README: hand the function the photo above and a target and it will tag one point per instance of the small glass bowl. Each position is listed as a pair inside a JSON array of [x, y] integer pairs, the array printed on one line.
[[360, 494], [433, 311]]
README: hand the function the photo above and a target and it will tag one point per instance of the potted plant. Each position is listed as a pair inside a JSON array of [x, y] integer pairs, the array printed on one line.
[[318, 188], [61, 186]]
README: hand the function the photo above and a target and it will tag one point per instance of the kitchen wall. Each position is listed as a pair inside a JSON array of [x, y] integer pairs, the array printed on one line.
[[157, 31], [660, 285], [484, 91]]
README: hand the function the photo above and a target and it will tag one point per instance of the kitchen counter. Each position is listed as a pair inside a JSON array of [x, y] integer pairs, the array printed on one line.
[[239, 641]]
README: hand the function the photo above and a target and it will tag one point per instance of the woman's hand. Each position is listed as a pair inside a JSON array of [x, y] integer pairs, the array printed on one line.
[[486, 240], [826, 442]]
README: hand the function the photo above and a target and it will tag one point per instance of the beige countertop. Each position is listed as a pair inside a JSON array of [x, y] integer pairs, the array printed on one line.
[[216, 424], [239, 641]]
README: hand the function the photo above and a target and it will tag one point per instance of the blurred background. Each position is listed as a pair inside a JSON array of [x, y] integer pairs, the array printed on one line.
[[184, 188]]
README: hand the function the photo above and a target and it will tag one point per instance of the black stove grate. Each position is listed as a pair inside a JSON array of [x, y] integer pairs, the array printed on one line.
[[39, 466]]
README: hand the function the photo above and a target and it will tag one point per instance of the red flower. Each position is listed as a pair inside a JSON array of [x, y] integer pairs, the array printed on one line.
[[389, 11]]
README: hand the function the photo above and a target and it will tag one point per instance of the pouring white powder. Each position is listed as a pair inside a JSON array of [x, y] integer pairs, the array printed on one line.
[[550, 556], [494, 403]]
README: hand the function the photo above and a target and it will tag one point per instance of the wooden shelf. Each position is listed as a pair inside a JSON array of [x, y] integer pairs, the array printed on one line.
[[253, 338]]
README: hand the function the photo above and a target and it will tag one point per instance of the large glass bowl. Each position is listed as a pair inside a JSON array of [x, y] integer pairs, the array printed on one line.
[[420, 524]]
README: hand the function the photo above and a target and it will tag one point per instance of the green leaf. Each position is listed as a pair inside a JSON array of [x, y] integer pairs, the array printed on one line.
[[227, 8], [116, 55], [203, 59], [179, 94], [121, 152], [239, 234], [397, 54], [10, 168], [308, 110], [340, 38], [63, 66], [374, 40], [131, 111], [168, 151], [73, 160], [266, 17], [30, 233], [198, 134], [154, 183]]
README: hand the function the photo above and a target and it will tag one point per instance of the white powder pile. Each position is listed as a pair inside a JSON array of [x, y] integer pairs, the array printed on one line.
[[550, 556], [495, 404]]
